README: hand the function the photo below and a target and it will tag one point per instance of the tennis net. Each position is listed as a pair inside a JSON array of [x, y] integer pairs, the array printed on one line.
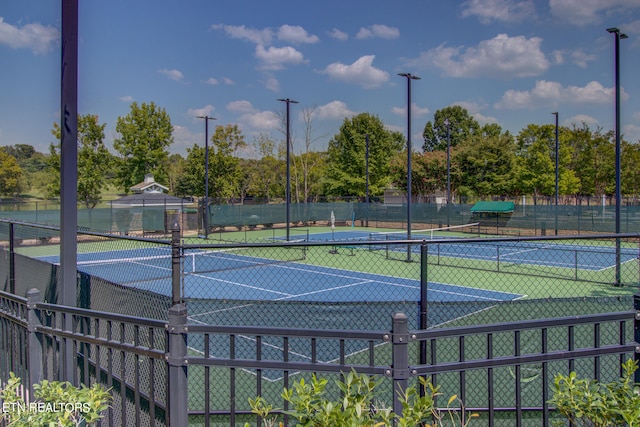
[[453, 231], [128, 270]]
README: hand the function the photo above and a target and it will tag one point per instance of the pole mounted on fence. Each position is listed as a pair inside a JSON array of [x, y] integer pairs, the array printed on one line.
[[175, 264], [177, 361], [34, 340], [636, 333], [399, 371]]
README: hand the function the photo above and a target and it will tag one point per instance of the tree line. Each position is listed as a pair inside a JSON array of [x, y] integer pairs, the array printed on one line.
[[458, 153]]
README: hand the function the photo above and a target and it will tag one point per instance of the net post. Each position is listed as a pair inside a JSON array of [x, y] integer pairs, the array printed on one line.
[[175, 264]]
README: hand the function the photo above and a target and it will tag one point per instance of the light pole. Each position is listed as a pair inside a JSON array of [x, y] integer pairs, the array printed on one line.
[[205, 219], [557, 173], [447, 124], [366, 185], [288, 189], [618, 36], [409, 77]]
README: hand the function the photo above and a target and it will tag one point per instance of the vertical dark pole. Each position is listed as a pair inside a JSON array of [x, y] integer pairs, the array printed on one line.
[[205, 208], [400, 358], [34, 340], [288, 189], [448, 170], [557, 171], [176, 361], [636, 332], [366, 189], [618, 36], [12, 259], [424, 308], [409, 77], [206, 178], [175, 264], [68, 173]]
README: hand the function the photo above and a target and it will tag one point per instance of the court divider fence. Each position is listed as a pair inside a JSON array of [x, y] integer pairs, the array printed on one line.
[[251, 318]]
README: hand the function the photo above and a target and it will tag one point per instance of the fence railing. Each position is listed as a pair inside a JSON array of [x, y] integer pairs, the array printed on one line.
[[158, 378], [172, 326]]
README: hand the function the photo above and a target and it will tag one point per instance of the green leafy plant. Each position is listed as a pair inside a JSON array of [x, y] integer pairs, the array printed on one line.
[[589, 402], [357, 406], [55, 403]]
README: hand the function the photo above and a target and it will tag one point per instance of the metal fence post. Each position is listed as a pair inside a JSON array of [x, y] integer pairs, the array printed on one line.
[[176, 359], [400, 358], [34, 340], [636, 333], [12, 259], [175, 264]]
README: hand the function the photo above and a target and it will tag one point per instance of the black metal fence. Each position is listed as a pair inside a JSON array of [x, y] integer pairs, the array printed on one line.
[[157, 379], [185, 332]]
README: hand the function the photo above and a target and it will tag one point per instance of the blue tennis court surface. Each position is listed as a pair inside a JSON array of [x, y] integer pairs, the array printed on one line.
[[583, 257], [245, 278]]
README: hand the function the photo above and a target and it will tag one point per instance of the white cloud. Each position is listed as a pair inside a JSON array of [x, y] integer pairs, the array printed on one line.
[[172, 74], [37, 37], [271, 83], [262, 37], [261, 121], [501, 56], [499, 10], [415, 110], [338, 35], [242, 106], [474, 109], [206, 111], [583, 12], [296, 34], [581, 58], [228, 81], [334, 110], [378, 31], [275, 58], [361, 72], [212, 81], [546, 93], [183, 138], [631, 133], [579, 119], [126, 98]]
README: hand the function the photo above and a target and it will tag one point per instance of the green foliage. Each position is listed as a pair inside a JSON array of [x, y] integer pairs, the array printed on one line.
[[145, 136], [357, 407], [590, 403], [56, 404], [461, 127], [10, 173], [346, 172]]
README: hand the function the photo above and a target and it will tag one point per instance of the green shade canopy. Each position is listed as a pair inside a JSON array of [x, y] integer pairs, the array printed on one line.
[[493, 207]]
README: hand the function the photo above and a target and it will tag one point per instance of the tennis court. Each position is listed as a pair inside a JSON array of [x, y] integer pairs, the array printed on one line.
[[248, 275], [561, 255]]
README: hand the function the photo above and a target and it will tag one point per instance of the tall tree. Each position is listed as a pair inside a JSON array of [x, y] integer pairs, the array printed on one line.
[[461, 127], [94, 160], [224, 174], [346, 171], [486, 165], [145, 137], [10, 175]]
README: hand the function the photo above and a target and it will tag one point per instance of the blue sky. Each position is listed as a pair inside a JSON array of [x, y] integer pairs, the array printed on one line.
[[508, 62]]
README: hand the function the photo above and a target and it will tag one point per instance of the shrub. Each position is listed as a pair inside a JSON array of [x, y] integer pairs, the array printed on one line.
[[589, 402], [357, 407], [55, 403]]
